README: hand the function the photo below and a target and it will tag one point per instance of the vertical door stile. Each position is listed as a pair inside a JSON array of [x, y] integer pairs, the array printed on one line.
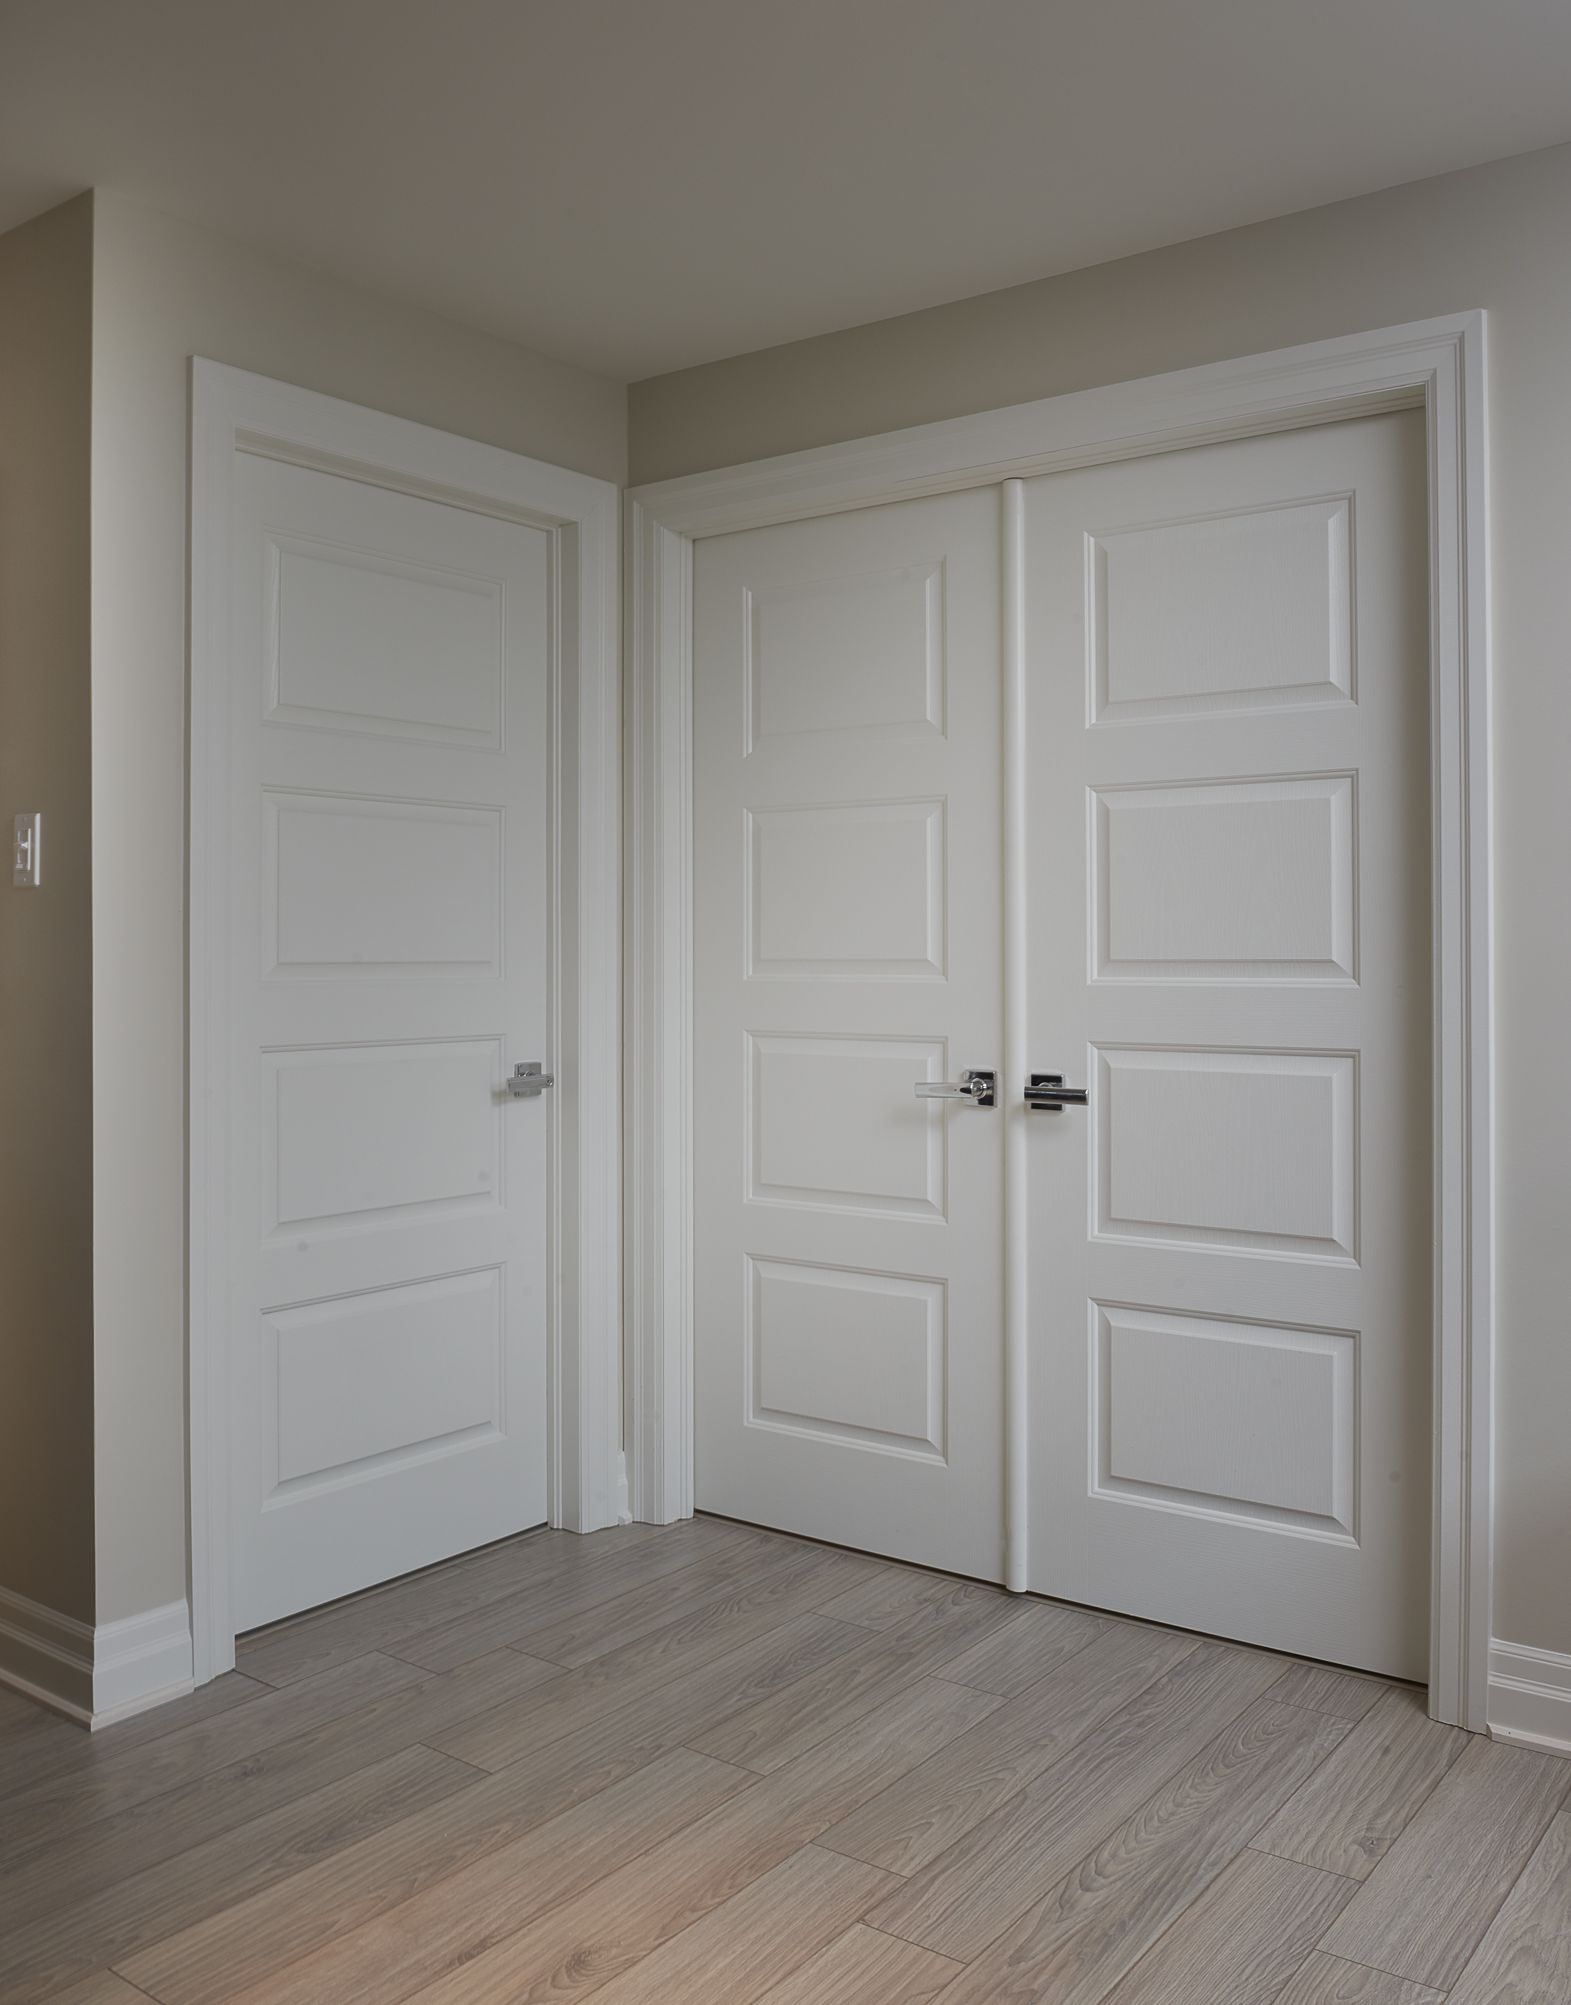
[[1017, 1497]]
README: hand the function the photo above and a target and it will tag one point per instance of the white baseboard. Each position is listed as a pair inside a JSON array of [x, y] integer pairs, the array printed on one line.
[[95, 1676], [1530, 1696], [141, 1662]]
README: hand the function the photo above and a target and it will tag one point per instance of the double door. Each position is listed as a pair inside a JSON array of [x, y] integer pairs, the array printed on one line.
[[1202, 904]]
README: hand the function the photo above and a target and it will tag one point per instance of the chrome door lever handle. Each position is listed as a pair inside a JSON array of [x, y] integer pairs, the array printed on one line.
[[980, 1088], [1047, 1092], [528, 1081]]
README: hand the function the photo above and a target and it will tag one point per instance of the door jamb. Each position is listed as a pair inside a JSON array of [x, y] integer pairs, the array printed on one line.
[[1435, 365], [234, 410]]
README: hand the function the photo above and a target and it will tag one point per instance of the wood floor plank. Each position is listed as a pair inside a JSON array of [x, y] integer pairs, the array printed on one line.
[[417, 1941], [869, 1968], [311, 1643], [1112, 1905], [1241, 1940], [1033, 1638], [909, 1824], [215, 1801], [791, 1721], [102, 1988], [510, 1619], [64, 1803], [1525, 1956], [1357, 1804], [43, 1745], [650, 1604], [739, 1950], [38, 1957], [892, 1594], [582, 1944], [987, 1879], [680, 1650], [644, 1723], [1329, 1980], [231, 1951], [1424, 1909], [1323, 1689]]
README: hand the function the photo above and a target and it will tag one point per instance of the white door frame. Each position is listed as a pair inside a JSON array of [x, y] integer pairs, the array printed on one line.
[[1434, 365], [230, 408]]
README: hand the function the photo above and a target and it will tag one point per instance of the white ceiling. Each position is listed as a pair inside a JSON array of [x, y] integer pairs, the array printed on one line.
[[642, 184]]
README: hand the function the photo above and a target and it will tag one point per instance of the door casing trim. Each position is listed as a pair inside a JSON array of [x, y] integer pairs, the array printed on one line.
[[232, 409], [1435, 365]]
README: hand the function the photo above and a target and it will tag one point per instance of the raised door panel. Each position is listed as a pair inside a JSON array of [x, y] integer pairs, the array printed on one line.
[[846, 843], [1228, 897], [1243, 609], [389, 922]]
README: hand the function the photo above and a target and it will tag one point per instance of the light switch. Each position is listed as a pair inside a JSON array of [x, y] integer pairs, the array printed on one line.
[[28, 852]]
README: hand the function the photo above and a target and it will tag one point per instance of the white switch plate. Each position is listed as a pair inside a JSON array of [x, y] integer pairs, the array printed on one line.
[[27, 855]]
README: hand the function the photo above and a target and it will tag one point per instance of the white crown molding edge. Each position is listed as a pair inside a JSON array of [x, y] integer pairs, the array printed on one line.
[[94, 1676], [1530, 1696]]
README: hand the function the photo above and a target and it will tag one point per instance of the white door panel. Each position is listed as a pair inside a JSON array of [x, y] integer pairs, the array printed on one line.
[[846, 842], [1229, 1284], [388, 858], [1226, 873]]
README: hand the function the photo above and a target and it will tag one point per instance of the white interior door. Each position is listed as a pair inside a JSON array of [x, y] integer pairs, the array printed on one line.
[[1228, 871], [847, 944], [389, 967]]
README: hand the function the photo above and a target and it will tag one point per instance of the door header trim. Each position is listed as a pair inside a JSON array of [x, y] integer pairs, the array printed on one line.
[[1435, 365]]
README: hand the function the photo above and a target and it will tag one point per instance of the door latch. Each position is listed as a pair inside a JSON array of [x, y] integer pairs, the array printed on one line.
[[529, 1080]]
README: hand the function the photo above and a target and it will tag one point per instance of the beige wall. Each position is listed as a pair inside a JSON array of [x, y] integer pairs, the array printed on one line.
[[46, 1100], [163, 292], [1497, 237]]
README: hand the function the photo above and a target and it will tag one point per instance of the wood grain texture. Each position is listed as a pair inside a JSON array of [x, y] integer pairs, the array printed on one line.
[[218, 1800], [907, 1826], [1245, 1935], [975, 1889], [583, 1943], [751, 1568], [572, 1728], [739, 1950], [315, 1642], [950, 1794], [793, 1720], [1114, 1903], [1329, 1980], [37, 1957], [102, 1988], [569, 1590], [1424, 1909], [1357, 1804], [127, 1776], [1525, 1956], [247, 1942], [1034, 1638], [1326, 1690], [417, 1941], [870, 1968]]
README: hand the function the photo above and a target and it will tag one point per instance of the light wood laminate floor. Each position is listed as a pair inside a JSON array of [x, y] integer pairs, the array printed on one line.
[[715, 1765]]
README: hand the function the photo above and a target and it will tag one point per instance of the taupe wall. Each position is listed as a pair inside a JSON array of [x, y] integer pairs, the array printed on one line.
[[46, 1101], [1497, 237], [163, 292]]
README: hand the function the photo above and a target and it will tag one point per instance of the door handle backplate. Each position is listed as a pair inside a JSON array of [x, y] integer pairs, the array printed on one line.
[[1047, 1093]]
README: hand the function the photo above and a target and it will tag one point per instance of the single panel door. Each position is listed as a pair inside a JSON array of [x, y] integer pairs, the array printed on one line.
[[389, 968], [1229, 948], [847, 952]]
